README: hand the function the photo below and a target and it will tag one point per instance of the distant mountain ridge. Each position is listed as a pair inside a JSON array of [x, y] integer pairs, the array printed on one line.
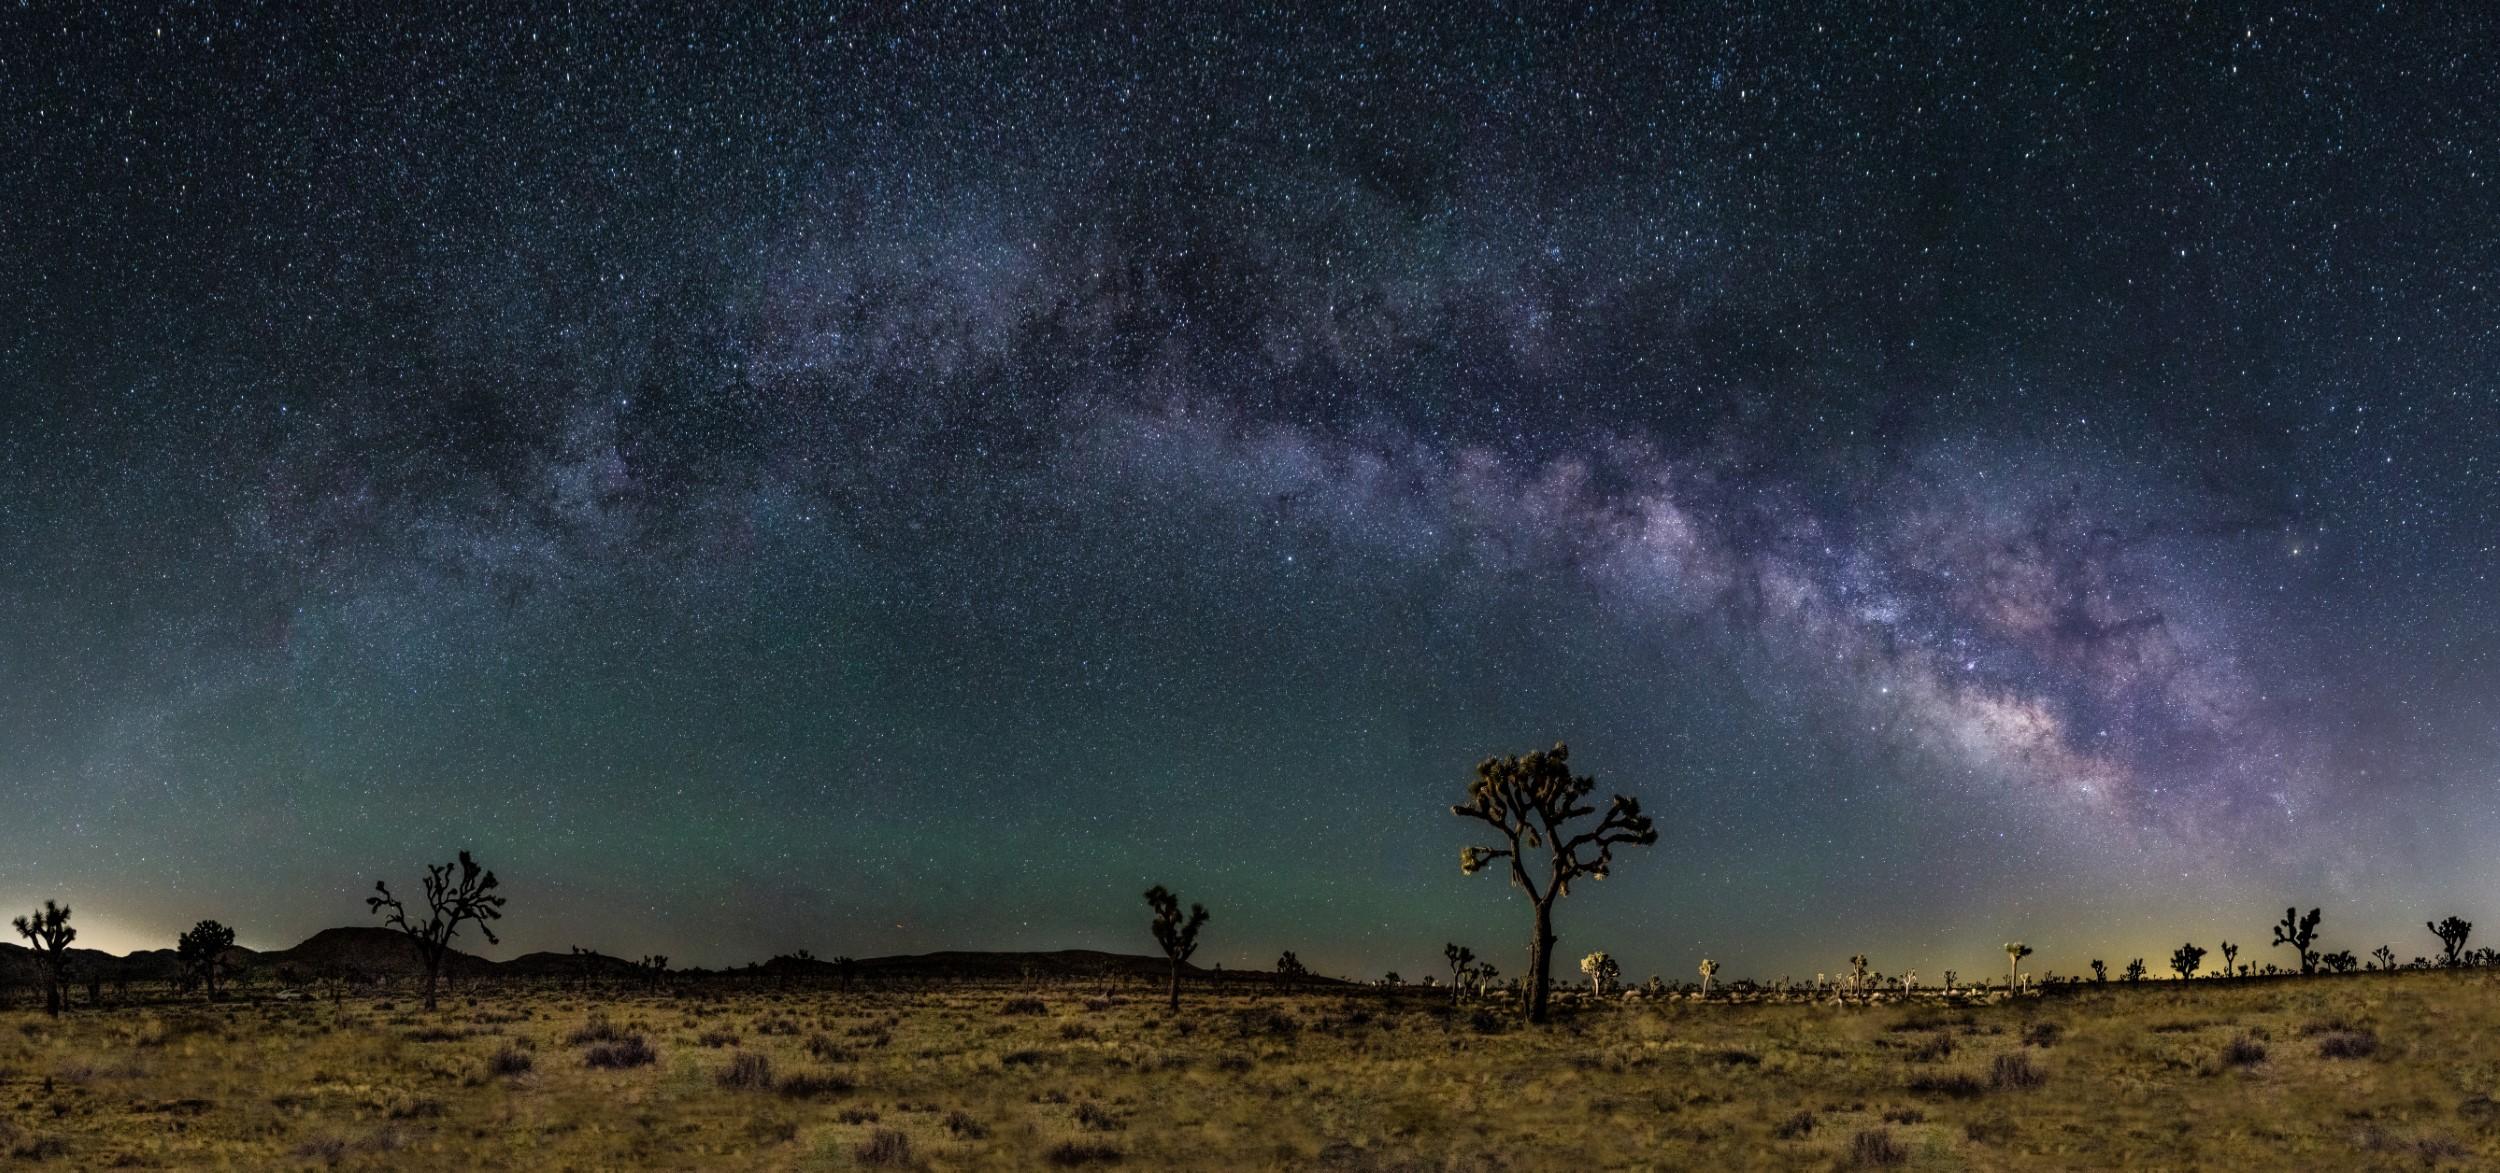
[[388, 952]]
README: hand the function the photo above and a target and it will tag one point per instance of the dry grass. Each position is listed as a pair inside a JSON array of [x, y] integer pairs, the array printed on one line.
[[2391, 1072]]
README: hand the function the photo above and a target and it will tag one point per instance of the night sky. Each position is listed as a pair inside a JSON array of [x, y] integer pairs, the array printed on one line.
[[876, 483]]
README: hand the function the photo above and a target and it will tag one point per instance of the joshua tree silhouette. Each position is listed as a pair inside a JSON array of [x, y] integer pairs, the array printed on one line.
[[201, 953], [2451, 933], [1601, 970], [2185, 959], [2135, 970], [1290, 971], [1462, 967], [1709, 969], [1530, 798], [2100, 970], [2385, 957], [1179, 938], [2015, 951], [2300, 932], [2230, 958], [449, 900], [48, 930]]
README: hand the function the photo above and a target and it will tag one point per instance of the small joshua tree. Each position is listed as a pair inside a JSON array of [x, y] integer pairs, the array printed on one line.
[[2135, 970], [1178, 937], [2100, 970], [2340, 961], [1601, 970], [2185, 960], [1857, 973], [1462, 967], [2015, 951], [48, 930], [1290, 971], [1709, 969], [2451, 933], [654, 969], [2299, 932], [202, 953], [2230, 958], [2383, 959], [449, 900], [1530, 798]]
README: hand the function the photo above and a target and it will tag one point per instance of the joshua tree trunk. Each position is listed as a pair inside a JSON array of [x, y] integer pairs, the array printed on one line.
[[52, 986], [1540, 961], [1175, 991], [433, 975], [2013, 973]]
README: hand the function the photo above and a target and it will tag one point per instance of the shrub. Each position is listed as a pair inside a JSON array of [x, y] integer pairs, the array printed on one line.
[[1081, 1152], [962, 1126], [1957, 1085], [2348, 1044], [885, 1146], [827, 1051], [510, 1060], [2042, 1034], [717, 1038], [747, 1071], [1093, 1116], [1875, 1147], [808, 1085], [2015, 1071], [597, 1030], [1024, 1006], [1801, 1124], [2244, 1052], [629, 1051], [1940, 1046]]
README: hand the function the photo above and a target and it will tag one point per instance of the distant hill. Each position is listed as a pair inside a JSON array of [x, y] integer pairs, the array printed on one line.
[[381, 951]]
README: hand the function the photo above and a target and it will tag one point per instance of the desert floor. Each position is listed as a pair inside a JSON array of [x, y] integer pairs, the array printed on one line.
[[2359, 1071]]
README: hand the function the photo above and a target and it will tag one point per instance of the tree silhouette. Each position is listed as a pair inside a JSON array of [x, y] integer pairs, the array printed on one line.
[[1530, 798], [48, 930], [202, 953], [2100, 970], [2341, 961], [2451, 933], [2185, 959], [1709, 970], [1290, 971], [2386, 958], [2135, 970], [449, 900], [1462, 962], [654, 969], [2015, 951], [2230, 958], [1857, 973], [1601, 970], [2300, 932], [1179, 938]]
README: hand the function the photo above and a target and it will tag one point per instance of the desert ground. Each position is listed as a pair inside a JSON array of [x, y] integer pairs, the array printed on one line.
[[2359, 1071]]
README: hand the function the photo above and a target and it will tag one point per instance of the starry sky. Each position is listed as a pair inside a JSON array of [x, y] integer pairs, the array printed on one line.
[[878, 479]]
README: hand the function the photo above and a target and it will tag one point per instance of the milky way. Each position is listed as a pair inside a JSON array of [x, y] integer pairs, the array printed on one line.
[[879, 484]]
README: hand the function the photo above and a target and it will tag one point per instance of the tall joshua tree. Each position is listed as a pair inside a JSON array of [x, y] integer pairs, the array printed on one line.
[[1290, 971], [2185, 960], [201, 952], [1462, 967], [2451, 933], [1179, 938], [2015, 951], [1709, 970], [1601, 970], [2386, 958], [1531, 798], [48, 930], [449, 900], [2300, 932], [2230, 959]]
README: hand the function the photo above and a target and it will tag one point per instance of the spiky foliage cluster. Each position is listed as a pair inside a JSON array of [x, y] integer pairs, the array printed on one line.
[[2300, 932], [48, 930], [201, 954], [2340, 961], [2451, 933], [1532, 799], [1601, 970], [2186, 959], [450, 898], [1177, 935], [2135, 970]]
